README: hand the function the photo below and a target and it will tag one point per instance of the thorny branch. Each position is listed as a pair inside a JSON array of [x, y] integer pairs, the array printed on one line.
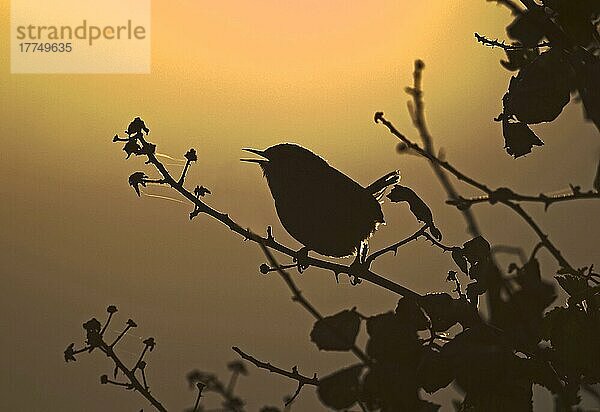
[[422, 232], [507, 194], [148, 149], [379, 118], [501, 44], [293, 374]]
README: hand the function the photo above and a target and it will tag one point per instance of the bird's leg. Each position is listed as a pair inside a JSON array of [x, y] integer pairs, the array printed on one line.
[[364, 251], [359, 263], [301, 259]]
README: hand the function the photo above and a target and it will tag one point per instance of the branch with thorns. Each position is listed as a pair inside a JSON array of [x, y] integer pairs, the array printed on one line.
[[507, 194], [502, 45], [141, 146], [293, 374], [416, 112]]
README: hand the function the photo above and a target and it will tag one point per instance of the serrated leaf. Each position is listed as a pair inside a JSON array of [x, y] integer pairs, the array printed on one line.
[[337, 332]]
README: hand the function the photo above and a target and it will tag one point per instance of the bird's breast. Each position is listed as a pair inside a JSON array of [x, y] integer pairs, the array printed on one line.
[[328, 214]]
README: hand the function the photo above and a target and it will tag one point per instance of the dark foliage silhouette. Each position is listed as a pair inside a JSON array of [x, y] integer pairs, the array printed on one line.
[[536, 330], [556, 52]]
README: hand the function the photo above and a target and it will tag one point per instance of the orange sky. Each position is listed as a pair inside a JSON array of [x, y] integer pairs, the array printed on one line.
[[227, 75]]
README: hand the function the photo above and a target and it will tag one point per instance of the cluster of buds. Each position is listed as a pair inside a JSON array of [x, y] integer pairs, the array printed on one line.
[[95, 340]]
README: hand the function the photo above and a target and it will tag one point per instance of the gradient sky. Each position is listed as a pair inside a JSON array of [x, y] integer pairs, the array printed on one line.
[[227, 75]]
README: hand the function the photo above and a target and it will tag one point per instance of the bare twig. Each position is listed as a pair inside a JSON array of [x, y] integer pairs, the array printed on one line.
[[501, 44], [508, 194], [293, 374], [417, 111], [200, 387]]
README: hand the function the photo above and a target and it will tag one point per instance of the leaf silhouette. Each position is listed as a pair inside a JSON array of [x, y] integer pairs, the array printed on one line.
[[575, 17], [460, 260], [435, 371], [540, 90], [519, 139], [476, 250], [337, 332], [340, 390], [132, 147], [136, 180], [574, 335], [393, 340], [521, 315], [444, 311], [136, 126], [440, 309], [417, 206], [519, 58], [526, 29], [573, 285], [410, 314]]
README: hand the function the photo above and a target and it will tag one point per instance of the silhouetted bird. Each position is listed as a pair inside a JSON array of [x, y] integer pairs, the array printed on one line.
[[318, 205]]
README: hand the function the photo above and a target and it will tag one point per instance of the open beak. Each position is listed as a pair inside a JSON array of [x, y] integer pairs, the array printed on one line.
[[257, 152]]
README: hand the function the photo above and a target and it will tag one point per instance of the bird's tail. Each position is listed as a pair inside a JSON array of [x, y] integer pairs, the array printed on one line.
[[377, 187]]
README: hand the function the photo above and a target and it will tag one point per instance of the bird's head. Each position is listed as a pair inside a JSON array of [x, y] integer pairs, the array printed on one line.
[[286, 159]]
